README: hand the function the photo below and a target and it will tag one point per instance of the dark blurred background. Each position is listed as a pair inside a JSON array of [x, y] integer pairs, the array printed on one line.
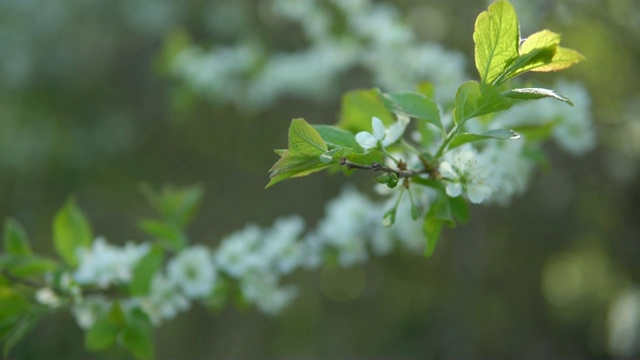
[[87, 108]]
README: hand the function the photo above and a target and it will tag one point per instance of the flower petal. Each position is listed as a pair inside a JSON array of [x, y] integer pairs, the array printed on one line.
[[366, 140], [447, 171], [478, 192], [379, 130], [394, 133], [454, 189]]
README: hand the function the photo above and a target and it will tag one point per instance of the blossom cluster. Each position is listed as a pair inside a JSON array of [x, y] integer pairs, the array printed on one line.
[[374, 39], [254, 259]]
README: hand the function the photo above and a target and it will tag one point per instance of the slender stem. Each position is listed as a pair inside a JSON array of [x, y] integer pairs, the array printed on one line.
[[22, 281], [376, 166], [446, 141], [384, 151]]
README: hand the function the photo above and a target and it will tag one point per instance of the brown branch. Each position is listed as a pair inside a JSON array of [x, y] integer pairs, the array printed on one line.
[[402, 173]]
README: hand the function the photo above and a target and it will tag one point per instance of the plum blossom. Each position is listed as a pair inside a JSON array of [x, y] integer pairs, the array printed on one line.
[[164, 300], [105, 264], [381, 135], [463, 171], [193, 272]]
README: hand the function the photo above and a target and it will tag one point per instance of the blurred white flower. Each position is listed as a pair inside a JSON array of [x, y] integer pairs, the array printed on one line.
[[261, 289], [510, 169], [382, 135], [164, 300], [193, 272], [346, 227], [236, 254], [624, 324], [280, 246], [463, 171], [575, 132], [89, 310], [46, 296], [104, 264]]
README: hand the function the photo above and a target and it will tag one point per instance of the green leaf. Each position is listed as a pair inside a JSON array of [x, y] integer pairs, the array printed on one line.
[[413, 104], [540, 40], [137, 335], [24, 266], [500, 134], [475, 99], [16, 241], [367, 158], [535, 51], [23, 327], [168, 234], [336, 137], [177, 205], [459, 208], [291, 166], [359, 106], [535, 94], [303, 156], [102, 335], [12, 303], [563, 58], [426, 88], [304, 140], [431, 228], [496, 36], [144, 271], [71, 231]]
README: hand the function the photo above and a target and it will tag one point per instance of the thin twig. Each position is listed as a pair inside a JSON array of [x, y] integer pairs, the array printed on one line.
[[376, 166]]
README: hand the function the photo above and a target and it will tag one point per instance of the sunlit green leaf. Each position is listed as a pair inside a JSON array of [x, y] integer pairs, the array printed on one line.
[[16, 241], [500, 134], [536, 93], [303, 156], [71, 231], [291, 166], [496, 36], [358, 107], [562, 59], [476, 99], [304, 140]]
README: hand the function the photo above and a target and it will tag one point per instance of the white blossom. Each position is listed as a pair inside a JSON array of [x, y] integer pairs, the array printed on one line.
[[46, 296], [89, 310], [381, 134], [237, 254], [463, 171], [262, 290], [164, 300], [193, 272], [104, 264]]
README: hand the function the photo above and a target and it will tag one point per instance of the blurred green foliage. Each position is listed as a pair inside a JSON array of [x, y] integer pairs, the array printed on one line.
[[83, 112]]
